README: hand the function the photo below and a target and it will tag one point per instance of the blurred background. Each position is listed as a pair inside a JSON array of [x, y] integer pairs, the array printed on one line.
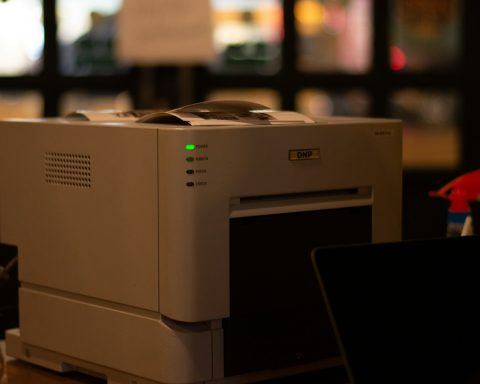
[[416, 60]]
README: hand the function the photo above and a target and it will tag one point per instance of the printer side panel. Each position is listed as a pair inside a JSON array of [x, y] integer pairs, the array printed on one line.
[[81, 205]]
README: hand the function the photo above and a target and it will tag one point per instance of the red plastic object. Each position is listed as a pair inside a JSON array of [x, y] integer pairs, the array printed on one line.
[[460, 191]]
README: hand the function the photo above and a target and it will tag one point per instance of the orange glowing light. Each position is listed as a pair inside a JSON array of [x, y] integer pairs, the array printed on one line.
[[310, 16]]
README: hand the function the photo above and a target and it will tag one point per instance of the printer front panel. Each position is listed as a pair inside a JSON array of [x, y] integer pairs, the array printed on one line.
[[200, 189]]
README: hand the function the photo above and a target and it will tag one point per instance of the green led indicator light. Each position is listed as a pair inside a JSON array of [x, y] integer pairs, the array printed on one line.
[[190, 147], [189, 159]]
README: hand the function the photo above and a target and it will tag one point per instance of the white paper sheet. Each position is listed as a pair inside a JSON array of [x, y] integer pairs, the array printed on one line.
[[219, 112]]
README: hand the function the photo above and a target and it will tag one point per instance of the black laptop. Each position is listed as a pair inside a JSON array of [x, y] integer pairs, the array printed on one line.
[[405, 312]]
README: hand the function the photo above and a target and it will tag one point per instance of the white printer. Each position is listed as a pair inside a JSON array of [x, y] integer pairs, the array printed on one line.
[[175, 247]]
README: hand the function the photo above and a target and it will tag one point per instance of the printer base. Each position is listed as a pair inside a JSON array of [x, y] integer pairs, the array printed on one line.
[[62, 363]]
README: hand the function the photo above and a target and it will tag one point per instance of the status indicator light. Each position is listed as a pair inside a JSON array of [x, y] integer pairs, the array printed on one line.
[[190, 147]]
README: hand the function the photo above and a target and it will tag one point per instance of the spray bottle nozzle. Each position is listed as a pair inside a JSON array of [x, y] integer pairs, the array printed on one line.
[[460, 191]]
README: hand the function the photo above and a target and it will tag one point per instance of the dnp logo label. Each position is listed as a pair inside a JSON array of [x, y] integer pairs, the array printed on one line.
[[304, 154]]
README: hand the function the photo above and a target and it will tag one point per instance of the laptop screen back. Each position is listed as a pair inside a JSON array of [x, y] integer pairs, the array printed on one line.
[[405, 312]]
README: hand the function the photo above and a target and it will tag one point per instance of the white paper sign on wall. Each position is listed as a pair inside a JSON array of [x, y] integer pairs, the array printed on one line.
[[152, 32]]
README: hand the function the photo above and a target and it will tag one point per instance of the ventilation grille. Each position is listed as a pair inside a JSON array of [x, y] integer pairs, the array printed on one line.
[[68, 169]]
